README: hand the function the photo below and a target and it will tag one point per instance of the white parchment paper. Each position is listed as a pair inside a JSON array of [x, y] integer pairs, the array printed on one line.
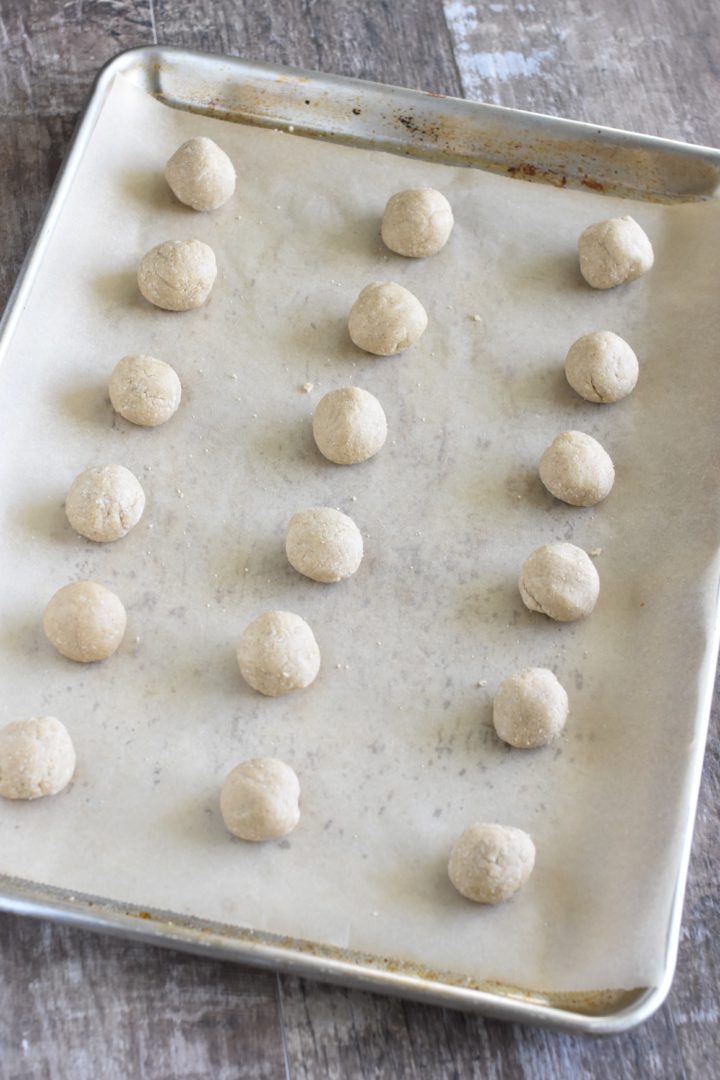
[[393, 744]]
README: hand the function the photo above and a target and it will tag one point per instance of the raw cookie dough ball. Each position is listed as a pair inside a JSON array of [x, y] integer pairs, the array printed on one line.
[[85, 621], [349, 425], [177, 275], [489, 863], [324, 544], [386, 318], [105, 502], [613, 252], [530, 708], [259, 800], [560, 581], [200, 174], [601, 367], [417, 222], [278, 653], [37, 758], [144, 390], [576, 469]]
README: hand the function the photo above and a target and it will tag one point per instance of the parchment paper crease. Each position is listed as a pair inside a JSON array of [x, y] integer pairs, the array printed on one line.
[[393, 744]]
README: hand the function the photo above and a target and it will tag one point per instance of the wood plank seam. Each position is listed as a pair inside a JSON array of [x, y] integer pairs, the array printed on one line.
[[153, 26], [282, 1025]]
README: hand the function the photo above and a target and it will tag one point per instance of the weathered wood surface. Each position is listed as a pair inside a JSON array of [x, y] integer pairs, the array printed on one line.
[[76, 1005], [650, 66]]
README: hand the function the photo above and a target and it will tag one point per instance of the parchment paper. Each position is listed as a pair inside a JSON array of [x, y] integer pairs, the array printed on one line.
[[393, 744]]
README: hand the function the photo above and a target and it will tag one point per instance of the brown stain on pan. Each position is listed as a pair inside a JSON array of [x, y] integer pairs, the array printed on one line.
[[178, 930], [585, 162], [587, 1003]]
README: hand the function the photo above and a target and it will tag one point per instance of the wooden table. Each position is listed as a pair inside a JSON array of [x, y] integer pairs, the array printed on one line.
[[73, 1005]]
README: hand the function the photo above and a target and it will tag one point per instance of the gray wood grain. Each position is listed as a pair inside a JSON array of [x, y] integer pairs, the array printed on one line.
[[650, 66], [405, 43], [74, 1005], [343, 1033], [50, 52]]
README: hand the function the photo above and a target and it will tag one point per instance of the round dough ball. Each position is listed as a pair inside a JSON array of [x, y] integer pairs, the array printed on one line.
[[324, 544], [200, 174], [417, 222], [560, 581], [144, 390], [489, 863], [105, 502], [576, 469], [37, 758], [386, 318], [177, 275], [601, 367], [278, 653], [85, 621], [613, 252], [349, 425], [259, 800], [530, 708]]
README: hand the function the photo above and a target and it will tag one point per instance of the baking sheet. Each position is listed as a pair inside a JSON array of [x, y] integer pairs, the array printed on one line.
[[393, 743]]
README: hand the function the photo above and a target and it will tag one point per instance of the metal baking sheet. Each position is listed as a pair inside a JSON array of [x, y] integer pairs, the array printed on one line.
[[445, 132]]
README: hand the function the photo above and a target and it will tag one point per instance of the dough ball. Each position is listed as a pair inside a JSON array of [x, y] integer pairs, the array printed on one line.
[[324, 544], [530, 708], [177, 275], [576, 469], [489, 863], [386, 318], [259, 799], [200, 174], [105, 502], [601, 367], [613, 252], [560, 581], [144, 390], [85, 621], [417, 222], [37, 758], [278, 653], [349, 425]]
